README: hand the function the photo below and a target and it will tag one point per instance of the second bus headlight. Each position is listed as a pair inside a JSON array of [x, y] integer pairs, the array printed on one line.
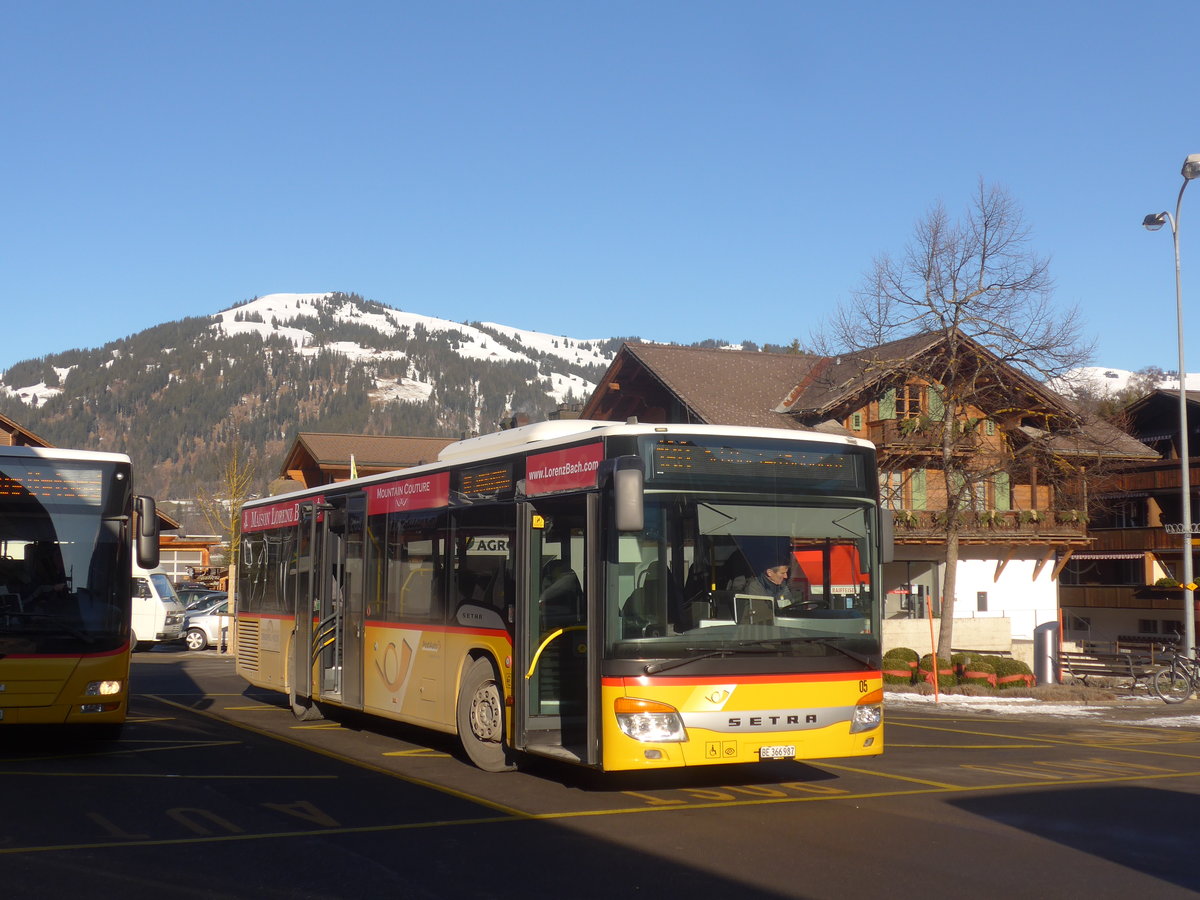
[[649, 720], [866, 718], [102, 688]]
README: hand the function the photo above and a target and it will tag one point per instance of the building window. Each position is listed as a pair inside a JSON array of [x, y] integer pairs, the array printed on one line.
[[1130, 514], [1147, 626], [856, 421], [1078, 625], [908, 401], [891, 490]]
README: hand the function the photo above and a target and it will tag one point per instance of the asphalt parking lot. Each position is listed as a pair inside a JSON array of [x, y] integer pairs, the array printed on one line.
[[1093, 799]]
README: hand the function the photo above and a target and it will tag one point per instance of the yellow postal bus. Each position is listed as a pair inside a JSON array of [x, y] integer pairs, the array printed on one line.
[[622, 596]]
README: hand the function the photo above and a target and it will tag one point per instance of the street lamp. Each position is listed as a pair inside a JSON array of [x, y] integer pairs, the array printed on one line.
[[1153, 222]]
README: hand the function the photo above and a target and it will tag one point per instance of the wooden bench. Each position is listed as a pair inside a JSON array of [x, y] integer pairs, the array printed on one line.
[[1081, 666]]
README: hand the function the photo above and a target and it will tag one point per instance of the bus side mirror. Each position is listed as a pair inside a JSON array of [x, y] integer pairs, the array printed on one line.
[[147, 532], [887, 536], [628, 486]]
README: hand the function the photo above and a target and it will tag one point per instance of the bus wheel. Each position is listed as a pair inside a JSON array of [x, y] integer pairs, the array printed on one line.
[[481, 718], [303, 708]]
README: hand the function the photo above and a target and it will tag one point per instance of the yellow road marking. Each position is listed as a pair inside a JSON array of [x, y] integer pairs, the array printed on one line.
[[419, 752], [937, 784], [357, 763], [893, 745]]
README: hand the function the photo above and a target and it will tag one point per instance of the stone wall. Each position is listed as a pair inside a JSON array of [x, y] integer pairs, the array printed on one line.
[[993, 633]]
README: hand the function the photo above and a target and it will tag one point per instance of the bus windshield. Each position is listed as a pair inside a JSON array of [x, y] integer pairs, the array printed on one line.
[[716, 572], [62, 569]]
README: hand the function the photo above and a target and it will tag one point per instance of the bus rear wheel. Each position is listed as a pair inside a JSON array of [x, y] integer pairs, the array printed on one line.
[[481, 718]]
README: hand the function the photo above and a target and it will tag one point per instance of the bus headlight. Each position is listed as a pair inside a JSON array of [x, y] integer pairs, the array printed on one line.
[[102, 688], [866, 717], [649, 720]]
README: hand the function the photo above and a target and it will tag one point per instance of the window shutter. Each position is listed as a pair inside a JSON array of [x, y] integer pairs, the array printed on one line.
[[937, 406], [887, 405], [918, 489], [1003, 491], [955, 485]]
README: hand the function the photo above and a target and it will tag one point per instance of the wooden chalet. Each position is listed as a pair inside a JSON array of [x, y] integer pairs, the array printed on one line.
[[1024, 519]]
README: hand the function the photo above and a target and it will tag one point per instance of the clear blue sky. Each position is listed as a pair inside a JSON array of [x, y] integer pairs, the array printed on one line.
[[676, 170]]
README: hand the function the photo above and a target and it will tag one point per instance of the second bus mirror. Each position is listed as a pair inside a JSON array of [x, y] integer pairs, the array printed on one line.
[[146, 545]]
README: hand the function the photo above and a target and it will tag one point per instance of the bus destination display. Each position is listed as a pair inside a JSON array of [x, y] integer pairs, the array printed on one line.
[[810, 468], [52, 484], [486, 481]]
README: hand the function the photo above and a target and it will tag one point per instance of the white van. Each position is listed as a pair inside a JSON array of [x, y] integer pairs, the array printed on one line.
[[157, 610]]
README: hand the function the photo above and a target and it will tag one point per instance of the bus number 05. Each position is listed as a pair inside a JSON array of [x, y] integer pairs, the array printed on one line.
[[862, 687]]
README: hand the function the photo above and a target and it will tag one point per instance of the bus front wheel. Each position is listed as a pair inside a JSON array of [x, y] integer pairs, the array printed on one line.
[[481, 718]]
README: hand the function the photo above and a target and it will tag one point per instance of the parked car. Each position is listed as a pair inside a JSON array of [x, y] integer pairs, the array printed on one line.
[[199, 600], [208, 628]]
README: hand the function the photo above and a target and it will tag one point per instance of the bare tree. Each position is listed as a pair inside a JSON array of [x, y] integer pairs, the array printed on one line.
[[974, 282], [222, 508]]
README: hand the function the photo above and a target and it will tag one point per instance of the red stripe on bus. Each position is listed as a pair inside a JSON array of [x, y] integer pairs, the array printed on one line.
[[781, 678]]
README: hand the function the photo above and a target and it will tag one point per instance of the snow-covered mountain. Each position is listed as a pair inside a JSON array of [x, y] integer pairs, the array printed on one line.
[[173, 395], [1101, 382], [273, 315]]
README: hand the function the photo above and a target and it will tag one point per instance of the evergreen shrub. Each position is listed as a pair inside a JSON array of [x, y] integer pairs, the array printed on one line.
[[945, 671], [1012, 673]]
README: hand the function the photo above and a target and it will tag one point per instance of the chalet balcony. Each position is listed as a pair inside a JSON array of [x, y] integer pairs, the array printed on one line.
[[1133, 539], [1121, 596], [908, 436], [922, 526]]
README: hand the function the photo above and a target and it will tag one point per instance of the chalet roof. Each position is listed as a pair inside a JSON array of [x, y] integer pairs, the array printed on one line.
[[19, 435], [841, 378], [369, 451], [1095, 438], [809, 392], [732, 387], [1159, 395]]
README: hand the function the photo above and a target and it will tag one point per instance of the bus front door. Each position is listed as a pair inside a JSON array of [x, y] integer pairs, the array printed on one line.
[[555, 699]]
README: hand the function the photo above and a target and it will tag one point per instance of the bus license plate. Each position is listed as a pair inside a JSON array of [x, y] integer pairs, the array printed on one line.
[[777, 751]]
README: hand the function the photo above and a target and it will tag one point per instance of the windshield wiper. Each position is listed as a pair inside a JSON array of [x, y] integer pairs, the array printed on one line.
[[652, 668], [55, 626], [826, 641]]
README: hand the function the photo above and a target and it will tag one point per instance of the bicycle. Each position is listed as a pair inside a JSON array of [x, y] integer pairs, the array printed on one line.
[[1178, 681]]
